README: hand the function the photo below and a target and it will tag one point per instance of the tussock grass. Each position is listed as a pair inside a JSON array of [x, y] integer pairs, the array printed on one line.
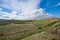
[[47, 29]]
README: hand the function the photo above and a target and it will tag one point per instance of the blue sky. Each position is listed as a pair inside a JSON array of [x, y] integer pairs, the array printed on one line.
[[51, 6], [29, 9]]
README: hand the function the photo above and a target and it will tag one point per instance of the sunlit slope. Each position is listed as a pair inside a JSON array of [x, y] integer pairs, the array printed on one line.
[[49, 32], [17, 29], [45, 22]]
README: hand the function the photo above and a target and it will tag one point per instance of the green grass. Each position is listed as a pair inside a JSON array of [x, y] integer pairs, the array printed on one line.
[[18, 30], [45, 22], [30, 30], [51, 32]]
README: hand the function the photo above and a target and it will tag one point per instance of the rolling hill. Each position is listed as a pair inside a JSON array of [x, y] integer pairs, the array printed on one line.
[[45, 29]]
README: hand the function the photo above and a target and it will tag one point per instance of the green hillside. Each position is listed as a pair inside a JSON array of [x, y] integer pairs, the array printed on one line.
[[46, 29], [48, 33]]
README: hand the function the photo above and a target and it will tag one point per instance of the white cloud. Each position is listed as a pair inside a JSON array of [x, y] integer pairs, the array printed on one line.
[[6, 15], [34, 14], [58, 4], [14, 12], [26, 9], [0, 9]]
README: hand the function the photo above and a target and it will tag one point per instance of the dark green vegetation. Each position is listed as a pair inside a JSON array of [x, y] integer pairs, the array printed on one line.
[[47, 29]]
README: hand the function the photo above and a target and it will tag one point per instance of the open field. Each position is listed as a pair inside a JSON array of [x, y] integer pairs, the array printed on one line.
[[47, 29]]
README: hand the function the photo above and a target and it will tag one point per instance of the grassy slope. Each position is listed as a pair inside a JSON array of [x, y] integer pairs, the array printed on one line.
[[17, 30], [49, 32]]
